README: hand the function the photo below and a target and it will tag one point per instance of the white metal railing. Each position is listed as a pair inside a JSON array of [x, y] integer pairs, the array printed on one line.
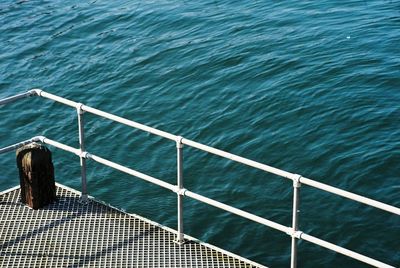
[[181, 191]]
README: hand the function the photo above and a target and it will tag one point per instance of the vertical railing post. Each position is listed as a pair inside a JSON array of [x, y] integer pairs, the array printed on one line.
[[295, 220], [179, 146], [82, 149]]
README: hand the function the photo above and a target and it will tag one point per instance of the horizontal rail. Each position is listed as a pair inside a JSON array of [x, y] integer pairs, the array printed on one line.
[[109, 116], [349, 195], [239, 159], [238, 212], [18, 145], [133, 172], [110, 164], [130, 123], [56, 98], [344, 251], [60, 146], [17, 97]]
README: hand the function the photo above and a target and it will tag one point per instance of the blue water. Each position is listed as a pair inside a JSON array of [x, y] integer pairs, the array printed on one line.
[[309, 87]]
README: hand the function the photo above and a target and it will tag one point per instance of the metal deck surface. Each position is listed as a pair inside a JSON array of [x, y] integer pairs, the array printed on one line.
[[68, 233]]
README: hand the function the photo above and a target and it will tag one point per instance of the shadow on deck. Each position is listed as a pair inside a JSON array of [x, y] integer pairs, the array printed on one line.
[[68, 233]]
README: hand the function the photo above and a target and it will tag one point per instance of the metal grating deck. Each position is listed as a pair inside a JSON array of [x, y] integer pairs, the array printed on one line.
[[71, 234]]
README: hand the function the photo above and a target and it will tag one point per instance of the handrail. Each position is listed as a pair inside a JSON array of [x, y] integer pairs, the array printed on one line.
[[180, 191], [233, 157]]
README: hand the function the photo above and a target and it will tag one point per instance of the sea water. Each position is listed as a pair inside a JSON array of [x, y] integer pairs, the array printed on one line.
[[309, 87]]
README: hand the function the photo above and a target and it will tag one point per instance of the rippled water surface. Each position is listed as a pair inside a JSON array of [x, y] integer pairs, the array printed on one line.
[[309, 87]]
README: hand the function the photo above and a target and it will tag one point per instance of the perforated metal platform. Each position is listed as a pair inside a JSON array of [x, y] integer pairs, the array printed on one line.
[[71, 234]]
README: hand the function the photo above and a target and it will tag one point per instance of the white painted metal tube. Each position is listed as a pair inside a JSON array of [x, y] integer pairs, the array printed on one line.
[[110, 164], [18, 145], [239, 159], [16, 97], [350, 195], [238, 212], [343, 251], [82, 149], [295, 222], [129, 123], [132, 172], [116, 118], [179, 175], [53, 97], [61, 146]]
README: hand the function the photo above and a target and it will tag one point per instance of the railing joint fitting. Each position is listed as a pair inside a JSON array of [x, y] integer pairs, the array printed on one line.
[[296, 181], [179, 143], [84, 155], [296, 234], [179, 242], [180, 191], [79, 108], [84, 199], [81, 154], [39, 139], [35, 92]]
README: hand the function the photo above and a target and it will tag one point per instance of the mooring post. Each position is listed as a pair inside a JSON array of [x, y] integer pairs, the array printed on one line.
[[82, 149], [179, 146], [295, 220], [36, 173]]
